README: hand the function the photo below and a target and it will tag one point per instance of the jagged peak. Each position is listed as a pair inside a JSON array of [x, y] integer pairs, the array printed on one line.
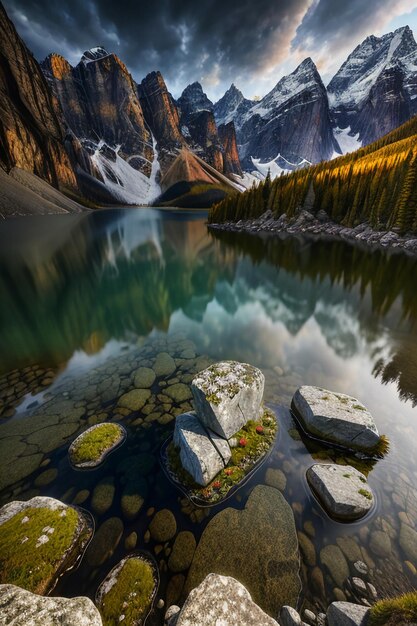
[[94, 54]]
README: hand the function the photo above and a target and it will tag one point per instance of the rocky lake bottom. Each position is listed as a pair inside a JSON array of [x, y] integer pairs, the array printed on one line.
[[111, 316]]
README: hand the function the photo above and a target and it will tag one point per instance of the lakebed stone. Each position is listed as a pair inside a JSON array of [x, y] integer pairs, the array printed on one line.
[[93, 446], [227, 395], [335, 417], [347, 614], [221, 600], [258, 545], [127, 593], [203, 453], [163, 526], [18, 606], [182, 552], [40, 540], [342, 490]]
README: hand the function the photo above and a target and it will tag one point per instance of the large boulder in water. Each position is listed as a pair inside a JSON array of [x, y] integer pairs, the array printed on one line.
[[257, 545], [18, 606], [335, 417], [227, 395], [202, 452], [221, 600], [41, 539], [342, 489]]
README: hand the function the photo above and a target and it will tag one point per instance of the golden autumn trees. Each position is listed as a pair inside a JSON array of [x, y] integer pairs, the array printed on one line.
[[376, 184]]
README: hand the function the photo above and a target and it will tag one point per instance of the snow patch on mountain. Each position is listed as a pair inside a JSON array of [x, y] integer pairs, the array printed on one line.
[[347, 141], [94, 54], [278, 166], [127, 184]]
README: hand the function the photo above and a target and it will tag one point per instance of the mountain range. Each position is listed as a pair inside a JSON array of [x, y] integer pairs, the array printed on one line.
[[95, 134]]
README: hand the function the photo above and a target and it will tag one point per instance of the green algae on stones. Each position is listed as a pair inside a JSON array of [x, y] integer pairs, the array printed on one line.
[[93, 446], [254, 442], [39, 540], [127, 593], [257, 545]]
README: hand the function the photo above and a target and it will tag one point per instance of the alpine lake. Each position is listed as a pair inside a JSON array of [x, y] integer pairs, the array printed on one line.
[[87, 300]]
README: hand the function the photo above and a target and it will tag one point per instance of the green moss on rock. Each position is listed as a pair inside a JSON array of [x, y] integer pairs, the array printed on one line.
[[254, 440], [127, 593], [93, 446], [402, 609], [38, 543]]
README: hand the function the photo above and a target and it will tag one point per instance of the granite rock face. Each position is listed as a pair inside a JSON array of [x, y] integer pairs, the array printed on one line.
[[227, 395], [203, 453], [342, 489], [347, 614], [31, 133], [162, 115], [99, 101], [257, 545], [292, 120], [227, 136], [221, 600], [335, 417], [18, 607], [375, 89]]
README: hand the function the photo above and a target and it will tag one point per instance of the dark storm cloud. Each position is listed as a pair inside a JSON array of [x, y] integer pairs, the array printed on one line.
[[185, 39], [217, 41], [335, 26]]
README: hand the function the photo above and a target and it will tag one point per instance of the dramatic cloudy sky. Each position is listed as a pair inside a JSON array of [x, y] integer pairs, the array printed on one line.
[[249, 42]]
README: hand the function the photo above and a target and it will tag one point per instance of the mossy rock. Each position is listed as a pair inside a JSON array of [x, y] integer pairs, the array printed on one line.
[[254, 441], [127, 593], [182, 552], [39, 540], [163, 526], [179, 392], [93, 446]]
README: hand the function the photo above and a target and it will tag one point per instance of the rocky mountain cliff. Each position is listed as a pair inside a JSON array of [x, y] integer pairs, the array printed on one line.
[[31, 133], [375, 90], [231, 107], [292, 120]]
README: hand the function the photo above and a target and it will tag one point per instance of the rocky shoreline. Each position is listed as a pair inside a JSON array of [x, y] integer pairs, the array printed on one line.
[[321, 226]]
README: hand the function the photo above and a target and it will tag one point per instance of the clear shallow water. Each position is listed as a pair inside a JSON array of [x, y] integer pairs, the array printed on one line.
[[86, 300]]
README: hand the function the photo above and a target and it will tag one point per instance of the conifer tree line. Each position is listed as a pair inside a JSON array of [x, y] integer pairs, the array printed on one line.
[[376, 184]]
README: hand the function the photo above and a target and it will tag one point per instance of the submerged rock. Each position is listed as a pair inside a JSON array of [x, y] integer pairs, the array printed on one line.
[[227, 395], [127, 593], [203, 453], [94, 445], [258, 545], [40, 540], [105, 542], [18, 606], [335, 417], [221, 600], [347, 614], [182, 552], [343, 490], [163, 526]]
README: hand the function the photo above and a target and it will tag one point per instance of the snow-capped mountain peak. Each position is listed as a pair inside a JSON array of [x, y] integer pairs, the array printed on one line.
[[94, 54], [353, 82], [226, 108]]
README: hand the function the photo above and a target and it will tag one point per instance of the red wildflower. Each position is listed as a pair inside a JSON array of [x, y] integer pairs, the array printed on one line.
[[259, 429], [217, 484], [228, 471], [243, 442]]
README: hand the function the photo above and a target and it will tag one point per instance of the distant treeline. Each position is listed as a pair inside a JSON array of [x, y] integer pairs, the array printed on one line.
[[376, 184]]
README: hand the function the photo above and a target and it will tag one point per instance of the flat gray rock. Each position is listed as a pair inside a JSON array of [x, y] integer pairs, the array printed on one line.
[[227, 395], [343, 490], [203, 453], [347, 614], [221, 600], [289, 617], [19, 607], [335, 417]]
